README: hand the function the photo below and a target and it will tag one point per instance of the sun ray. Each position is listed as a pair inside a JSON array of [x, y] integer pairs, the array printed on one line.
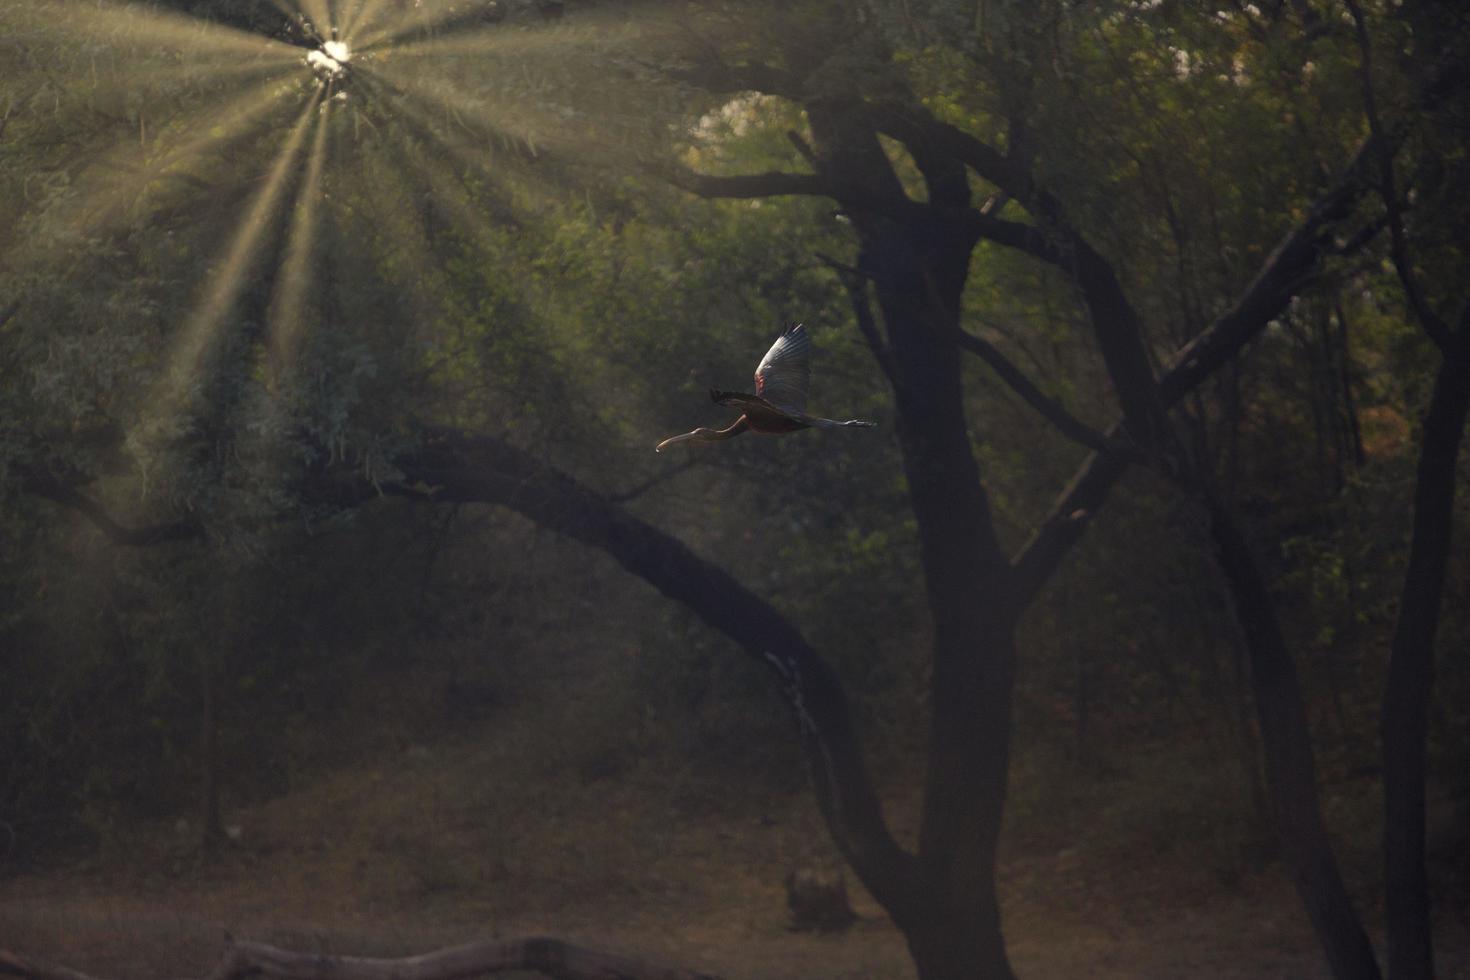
[[506, 172], [201, 330], [499, 120], [135, 78], [402, 217], [112, 186], [115, 24], [425, 19], [364, 13], [560, 41], [284, 316]]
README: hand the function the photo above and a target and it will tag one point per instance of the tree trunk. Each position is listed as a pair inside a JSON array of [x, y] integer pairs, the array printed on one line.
[[1404, 721], [918, 270], [211, 829], [1290, 770]]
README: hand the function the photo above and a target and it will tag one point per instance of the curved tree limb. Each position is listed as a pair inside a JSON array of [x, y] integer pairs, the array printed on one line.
[[456, 467], [1051, 409], [771, 183], [1289, 267], [551, 957], [855, 281], [50, 488], [1114, 321], [778, 183]]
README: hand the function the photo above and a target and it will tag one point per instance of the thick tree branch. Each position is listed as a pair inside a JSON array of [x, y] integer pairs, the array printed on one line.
[[1114, 321], [799, 143], [918, 129], [455, 467], [778, 183], [772, 183], [1398, 249], [1289, 267], [59, 492], [551, 957], [1051, 409], [719, 77]]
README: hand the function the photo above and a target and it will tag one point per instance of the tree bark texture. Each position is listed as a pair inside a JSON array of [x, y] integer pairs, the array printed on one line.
[[1404, 718], [918, 270]]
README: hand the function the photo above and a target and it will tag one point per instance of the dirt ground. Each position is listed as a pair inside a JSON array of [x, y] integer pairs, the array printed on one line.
[[707, 895], [510, 832]]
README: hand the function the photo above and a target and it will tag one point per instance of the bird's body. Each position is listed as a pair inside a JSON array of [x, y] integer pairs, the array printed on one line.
[[778, 406]]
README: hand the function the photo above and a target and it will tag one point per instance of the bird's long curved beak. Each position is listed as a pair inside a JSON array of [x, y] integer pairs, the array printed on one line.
[[673, 439]]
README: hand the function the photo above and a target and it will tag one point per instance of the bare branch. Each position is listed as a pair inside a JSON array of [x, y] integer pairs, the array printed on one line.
[[802, 147], [1290, 266], [852, 197], [855, 281], [551, 957], [772, 183], [1051, 409]]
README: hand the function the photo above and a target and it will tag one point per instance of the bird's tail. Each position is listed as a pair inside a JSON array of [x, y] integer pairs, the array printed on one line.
[[850, 423]]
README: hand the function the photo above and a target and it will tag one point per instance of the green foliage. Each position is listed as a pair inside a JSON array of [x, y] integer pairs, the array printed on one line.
[[495, 252]]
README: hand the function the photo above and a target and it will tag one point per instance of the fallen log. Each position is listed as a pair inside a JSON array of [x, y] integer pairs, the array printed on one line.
[[551, 957]]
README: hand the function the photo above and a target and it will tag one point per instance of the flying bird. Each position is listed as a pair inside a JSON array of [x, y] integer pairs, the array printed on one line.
[[779, 402]]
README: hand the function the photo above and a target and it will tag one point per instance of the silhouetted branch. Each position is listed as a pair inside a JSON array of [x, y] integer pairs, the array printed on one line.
[[1052, 410], [855, 281], [776, 183], [717, 76], [551, 957], [1114, 320], [453, 466], [1292, 264], [1398, 249], [59, 492], [802, 147], [772, 183]]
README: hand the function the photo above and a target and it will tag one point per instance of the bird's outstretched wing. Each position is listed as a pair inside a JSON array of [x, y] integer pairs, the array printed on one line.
[[785, 373]]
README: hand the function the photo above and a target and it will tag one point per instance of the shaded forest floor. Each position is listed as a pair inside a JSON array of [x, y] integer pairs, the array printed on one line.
[[698, 884], [542, 819]]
